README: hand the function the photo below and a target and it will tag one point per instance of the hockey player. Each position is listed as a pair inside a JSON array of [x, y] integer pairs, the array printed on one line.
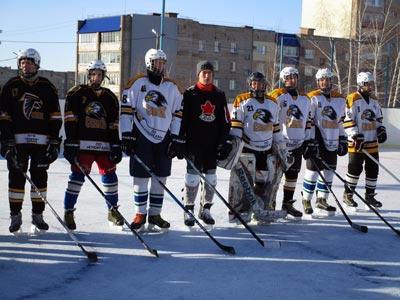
[[327, 112], [30, 122], [365, 130], [151, 114], [255, 120], [205, 113], [295, 125], [91, 120]]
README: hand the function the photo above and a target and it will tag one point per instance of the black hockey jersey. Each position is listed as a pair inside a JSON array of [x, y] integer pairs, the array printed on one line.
[[30, 111], [92, 118]]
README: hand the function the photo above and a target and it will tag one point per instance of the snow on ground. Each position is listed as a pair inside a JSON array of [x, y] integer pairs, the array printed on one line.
[[320, 258]]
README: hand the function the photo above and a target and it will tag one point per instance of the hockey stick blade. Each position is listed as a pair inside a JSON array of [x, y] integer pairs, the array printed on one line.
[[148, 248], [92, 256], [361, 228], [365, 201], [226, 202], [225, 248]]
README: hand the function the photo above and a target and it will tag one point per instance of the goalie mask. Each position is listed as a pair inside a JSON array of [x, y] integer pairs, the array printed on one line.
[[93, 80], [324, 86], [28, 71], [257, 85], [155, 60]]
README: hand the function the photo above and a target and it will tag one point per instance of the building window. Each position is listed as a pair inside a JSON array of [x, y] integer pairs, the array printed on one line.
[[82, 78], [202, 46], [375, 3], [110, 37], [86, 57], [232, 85], [111, 57], [233, 66], [215, 82], [290, 51], [216, 65], [261, 50], [234, 48], [307, 87], [309, 54], [87, 38], [217, 46], [308, 71], [113, 78], [247, 56]]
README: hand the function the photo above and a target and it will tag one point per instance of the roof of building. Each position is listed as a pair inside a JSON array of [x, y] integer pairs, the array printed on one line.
[[101, 25]]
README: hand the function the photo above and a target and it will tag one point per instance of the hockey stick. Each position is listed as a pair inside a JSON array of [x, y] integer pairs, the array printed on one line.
[[151, 250], [151, 173], [224, 201], [362, 199], [380, 164], [91, 255], [361, 228]]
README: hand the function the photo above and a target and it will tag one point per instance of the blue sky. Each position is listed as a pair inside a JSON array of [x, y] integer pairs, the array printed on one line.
[[50, 26]]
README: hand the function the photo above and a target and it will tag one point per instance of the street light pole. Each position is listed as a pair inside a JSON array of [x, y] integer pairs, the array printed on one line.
[[161, 37]]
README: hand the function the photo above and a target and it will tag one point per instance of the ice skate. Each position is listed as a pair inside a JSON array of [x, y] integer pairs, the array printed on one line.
[[138, 222], [205, 216], [156, 223], [349, 201], [39, 226], [16, 222], [370, 198], [115, 219], [308, 210], [69, 219], [246, 217], [322, 207], [291, 211], [188, 218]]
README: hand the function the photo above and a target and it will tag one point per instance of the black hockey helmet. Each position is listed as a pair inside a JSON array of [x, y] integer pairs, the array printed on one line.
[[257, 76]]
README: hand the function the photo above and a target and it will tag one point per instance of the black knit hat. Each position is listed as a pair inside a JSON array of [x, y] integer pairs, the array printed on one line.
[[204, 65]]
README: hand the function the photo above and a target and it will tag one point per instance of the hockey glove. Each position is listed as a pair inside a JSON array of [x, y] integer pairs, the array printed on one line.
[[9, 150], [71, 151], [177, 147], [310, 149], [381, 134], [116, 154], [52, 150], [128, 143], [357, 141], [343, 146], [224, 148]]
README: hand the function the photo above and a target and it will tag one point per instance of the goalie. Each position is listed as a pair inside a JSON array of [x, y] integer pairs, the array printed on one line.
[[255, 178]]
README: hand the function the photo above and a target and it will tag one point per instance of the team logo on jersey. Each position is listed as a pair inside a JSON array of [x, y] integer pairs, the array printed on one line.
[[207, 112], [95, 116], [156, 97], [295, 112], [368, 115], [156, 104], [265, 117], [329, 112], [31, 106]]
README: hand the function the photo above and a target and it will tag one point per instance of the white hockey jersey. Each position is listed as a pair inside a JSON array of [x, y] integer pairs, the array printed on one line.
[[294, 116], [328, 116], [155, 109], [363, 117], [255, 122]]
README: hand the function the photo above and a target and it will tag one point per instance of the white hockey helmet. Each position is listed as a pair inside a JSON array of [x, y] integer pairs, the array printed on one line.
[[96, 65], [31, 54], [286, 72], [364, 77], [151, 56], [324, 73]]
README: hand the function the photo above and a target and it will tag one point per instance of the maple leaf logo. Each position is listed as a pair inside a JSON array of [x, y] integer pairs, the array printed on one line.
[[207, 112]]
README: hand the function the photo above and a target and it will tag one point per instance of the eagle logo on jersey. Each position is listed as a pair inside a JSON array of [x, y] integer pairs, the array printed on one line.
[[329, 112], [31, 106], [95, 110], [263, 115], [156, 97], [207, 112], [295, 112], [368, 115]]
